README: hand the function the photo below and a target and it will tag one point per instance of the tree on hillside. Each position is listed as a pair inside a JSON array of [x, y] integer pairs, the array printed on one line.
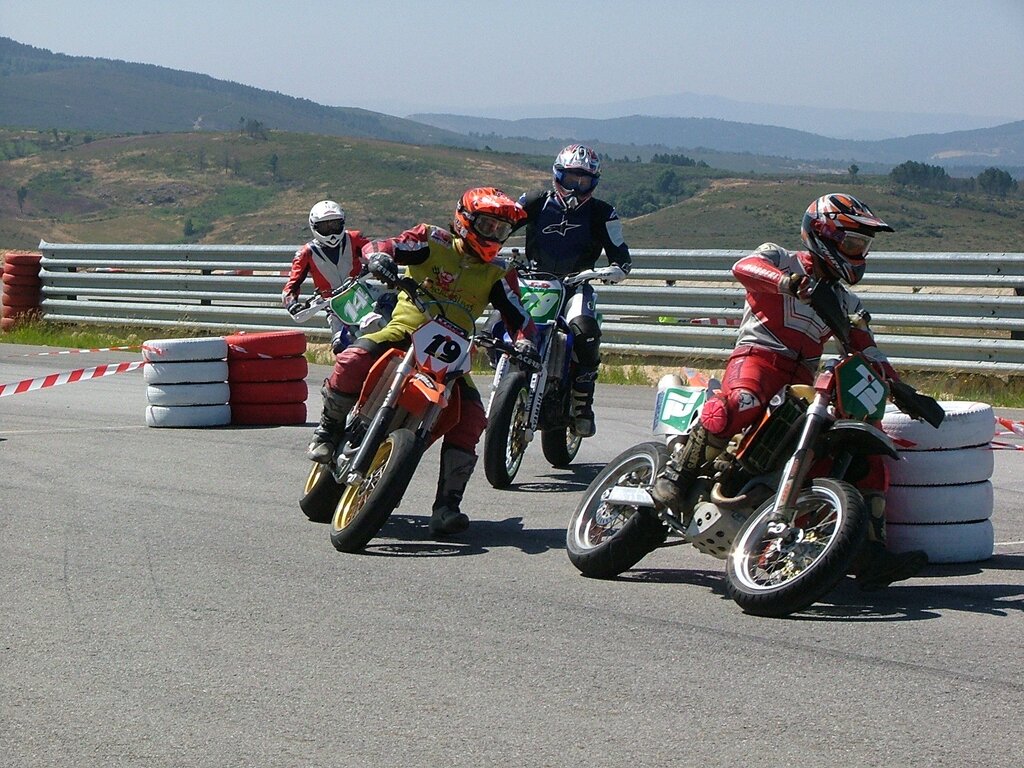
[[996, 181], [911, 174], [853, 170], [22, 194]]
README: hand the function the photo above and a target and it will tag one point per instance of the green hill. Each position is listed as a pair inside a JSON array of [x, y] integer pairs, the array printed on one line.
[[236, 187]]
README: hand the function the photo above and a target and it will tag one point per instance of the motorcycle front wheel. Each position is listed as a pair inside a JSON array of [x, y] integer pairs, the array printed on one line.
[[320, 494], [560, 446], [507, 421], [364, 507], [776, 568], [604, 539]]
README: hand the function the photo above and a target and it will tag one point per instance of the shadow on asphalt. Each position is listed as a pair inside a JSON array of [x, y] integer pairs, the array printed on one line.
[[409, 536], [571, 479], [914, 601]]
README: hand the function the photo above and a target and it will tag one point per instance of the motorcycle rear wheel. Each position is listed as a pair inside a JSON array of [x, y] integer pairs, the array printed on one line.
[[363, 508], [768, 576], [560, 446], [507, 421], [320, 495], [604, 540]]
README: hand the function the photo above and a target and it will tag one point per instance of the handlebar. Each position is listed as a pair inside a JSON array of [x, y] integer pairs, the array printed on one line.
[[530, 362]]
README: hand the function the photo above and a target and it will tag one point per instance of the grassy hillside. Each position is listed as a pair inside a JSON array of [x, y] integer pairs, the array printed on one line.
[[235, 188]]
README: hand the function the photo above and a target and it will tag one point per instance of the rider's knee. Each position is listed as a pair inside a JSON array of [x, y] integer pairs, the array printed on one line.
[[725, 415]]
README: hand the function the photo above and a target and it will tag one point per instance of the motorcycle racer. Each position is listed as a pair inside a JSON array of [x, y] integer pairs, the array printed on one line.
[[780, 342], [460, 264], [567, 229], [332, 256]]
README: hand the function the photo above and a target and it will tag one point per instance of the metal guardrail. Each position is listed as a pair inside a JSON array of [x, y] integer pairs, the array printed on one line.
[[937, 311]]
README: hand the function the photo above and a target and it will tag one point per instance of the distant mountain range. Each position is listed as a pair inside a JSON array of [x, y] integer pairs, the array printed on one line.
[[44, 90]]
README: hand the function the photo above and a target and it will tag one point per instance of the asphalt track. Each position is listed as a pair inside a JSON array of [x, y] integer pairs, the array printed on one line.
[[163, 602]]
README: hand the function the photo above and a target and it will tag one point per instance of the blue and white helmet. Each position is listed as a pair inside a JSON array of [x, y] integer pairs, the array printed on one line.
[[576, 172]]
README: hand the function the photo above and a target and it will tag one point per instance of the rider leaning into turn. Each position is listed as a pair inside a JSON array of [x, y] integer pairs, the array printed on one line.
[[331, 257], [780, 342], [460, 264], [566, 231]]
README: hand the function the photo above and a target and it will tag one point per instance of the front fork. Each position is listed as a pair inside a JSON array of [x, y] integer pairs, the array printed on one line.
[[795, 472], [378, 427]]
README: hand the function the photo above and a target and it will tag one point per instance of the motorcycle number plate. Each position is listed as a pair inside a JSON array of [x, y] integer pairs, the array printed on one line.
[[353, 305], [439, 347], [860, 393], [677, 409], [542, 299]]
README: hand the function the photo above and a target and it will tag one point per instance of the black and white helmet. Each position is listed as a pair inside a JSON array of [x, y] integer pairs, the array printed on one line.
[[575, 173], [327, 223]]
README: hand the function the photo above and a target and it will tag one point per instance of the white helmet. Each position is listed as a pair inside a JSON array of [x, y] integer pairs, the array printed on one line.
[[327, 223]]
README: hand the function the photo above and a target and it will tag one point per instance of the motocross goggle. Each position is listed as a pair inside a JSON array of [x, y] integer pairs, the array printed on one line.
[[854, 245], [576, 181], [491, 227], [330, 227]]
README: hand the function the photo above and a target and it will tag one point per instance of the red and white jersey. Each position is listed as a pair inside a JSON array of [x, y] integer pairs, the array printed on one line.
[[328, 273], [784, 324]]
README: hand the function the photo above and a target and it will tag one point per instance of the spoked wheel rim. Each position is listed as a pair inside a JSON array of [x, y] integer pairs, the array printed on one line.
[[599, 520], [516, 444], [769, 555], [315, 473], [354, 497], [572, 443]]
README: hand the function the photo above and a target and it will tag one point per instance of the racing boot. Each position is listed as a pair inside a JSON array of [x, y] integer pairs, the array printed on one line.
[[679, 473], [876, 567], [329, 431], [582, 401], [456, 469]]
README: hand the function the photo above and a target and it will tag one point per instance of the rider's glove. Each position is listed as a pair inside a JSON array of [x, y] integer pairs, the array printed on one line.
[[339, 341], [526, 348], [796, 285], [288, 299], [383, 268], [613, 274]]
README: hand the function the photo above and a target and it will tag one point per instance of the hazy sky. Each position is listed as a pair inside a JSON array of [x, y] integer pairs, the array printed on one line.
[[401, 56]]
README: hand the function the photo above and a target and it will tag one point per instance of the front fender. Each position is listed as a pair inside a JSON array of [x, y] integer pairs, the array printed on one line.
[[858, 437]]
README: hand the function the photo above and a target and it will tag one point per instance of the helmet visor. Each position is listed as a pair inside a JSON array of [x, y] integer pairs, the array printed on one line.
[[576, 181], [491, 227], [329, 227], [854, 245]]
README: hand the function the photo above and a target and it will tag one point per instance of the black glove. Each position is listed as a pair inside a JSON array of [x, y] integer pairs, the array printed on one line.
[[294, 308], [383, 267], [526, 348]]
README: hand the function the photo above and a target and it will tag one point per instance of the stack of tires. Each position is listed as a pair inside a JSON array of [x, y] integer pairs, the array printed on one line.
[[940, 496], [22, 289], [267, 378], [187, 382]]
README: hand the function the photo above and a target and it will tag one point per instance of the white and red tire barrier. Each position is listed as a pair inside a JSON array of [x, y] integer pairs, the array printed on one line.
[[940, 496], [21, 288], [186, 382], [267, 378]]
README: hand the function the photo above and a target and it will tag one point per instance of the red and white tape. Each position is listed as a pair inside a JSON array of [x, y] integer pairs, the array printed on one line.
[[242, 350], [716, 321], [80, 351], [67, 377]]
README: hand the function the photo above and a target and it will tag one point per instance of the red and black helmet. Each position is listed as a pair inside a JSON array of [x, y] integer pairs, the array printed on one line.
[[838, 229], [484, 219]]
